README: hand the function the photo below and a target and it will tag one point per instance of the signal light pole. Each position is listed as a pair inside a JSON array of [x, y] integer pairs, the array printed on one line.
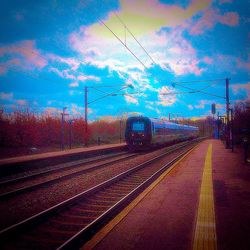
[[227, 114]]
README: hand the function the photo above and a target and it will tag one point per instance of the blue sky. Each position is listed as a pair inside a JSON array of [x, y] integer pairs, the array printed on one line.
[[51, 50]]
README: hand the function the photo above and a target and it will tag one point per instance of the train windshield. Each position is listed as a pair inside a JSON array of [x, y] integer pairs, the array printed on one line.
[[138, 126]]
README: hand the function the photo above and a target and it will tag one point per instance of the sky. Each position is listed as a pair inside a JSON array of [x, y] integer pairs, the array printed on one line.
[[145, 57]]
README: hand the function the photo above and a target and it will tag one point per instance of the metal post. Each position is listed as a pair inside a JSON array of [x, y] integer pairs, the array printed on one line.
[[86, 115], [62, 132], [120, 130], [232, 130], [169, 116], [70, 133], [62, 128], [227, 110], [218, 126]]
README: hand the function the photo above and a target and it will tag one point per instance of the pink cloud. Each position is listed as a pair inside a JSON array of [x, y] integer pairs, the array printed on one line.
[[21, 102], [165, 97], [85, 78], [244, 64], [4, 67], [230, 19], [74, 84], [6, 96], [185, 66], [23, 54], [72, 62], [210, 18], [207, 60], [245, 87], [63, 74], [231, 63]]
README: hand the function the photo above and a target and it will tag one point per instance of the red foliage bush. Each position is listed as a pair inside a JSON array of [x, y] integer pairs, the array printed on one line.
[[26, 129]]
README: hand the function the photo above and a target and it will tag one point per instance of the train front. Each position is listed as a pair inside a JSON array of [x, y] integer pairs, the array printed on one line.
[[138, 132]]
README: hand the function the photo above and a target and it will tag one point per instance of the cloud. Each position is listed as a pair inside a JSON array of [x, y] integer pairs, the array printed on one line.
[[165, 96], [207, 60], [22, 102], [73, 63], [22, 54], [74, 84], [210, 18], [51, 111], [237, 88], [6, 96], [98, 46], [230, 63], [131, 99], [201, 105], [88, 77], [77, 110], [4, 67], [168, 48], [243, 64], [148, 16]]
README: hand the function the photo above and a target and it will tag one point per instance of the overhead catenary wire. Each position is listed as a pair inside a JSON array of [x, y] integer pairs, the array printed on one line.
[[203, 92], [189, 92], [123, 44], [108, 94], [126, 28]]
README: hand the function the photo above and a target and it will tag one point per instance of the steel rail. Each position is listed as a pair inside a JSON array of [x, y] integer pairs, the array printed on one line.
[[55, 168], [78, 239], [30, 222], [18, 191]]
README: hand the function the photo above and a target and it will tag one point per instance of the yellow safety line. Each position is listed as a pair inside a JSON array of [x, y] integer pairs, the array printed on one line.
[[205, 230], [104, 231]]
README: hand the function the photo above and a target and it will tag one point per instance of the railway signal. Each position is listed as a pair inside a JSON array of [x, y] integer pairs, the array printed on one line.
[[213, 108]]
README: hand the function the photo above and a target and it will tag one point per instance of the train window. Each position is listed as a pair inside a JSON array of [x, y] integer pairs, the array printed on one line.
[[138, 126]]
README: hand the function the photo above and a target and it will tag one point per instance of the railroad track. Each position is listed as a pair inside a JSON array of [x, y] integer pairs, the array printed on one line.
[[65, 171], [69, 224]]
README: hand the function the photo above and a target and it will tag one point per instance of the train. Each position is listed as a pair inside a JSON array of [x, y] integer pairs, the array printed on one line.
[[145, 133]]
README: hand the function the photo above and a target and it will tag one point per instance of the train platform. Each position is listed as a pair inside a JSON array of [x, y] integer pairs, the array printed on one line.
[[63, 153], [202, 202]]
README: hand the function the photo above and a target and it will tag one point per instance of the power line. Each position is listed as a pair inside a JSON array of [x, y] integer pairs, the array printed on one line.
[[126, 28], [192, 90], [108, 94], [123, 44], [203, 92]]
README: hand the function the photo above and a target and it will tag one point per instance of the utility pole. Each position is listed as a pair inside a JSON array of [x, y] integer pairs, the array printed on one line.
[[232, 129], [169, 116], [62, 127], [227, 111], [70, 132], [121, 130], [218, 126], [86, 115]]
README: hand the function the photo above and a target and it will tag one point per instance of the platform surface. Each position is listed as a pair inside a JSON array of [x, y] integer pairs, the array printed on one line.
[[13, 160], [206, 195]]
